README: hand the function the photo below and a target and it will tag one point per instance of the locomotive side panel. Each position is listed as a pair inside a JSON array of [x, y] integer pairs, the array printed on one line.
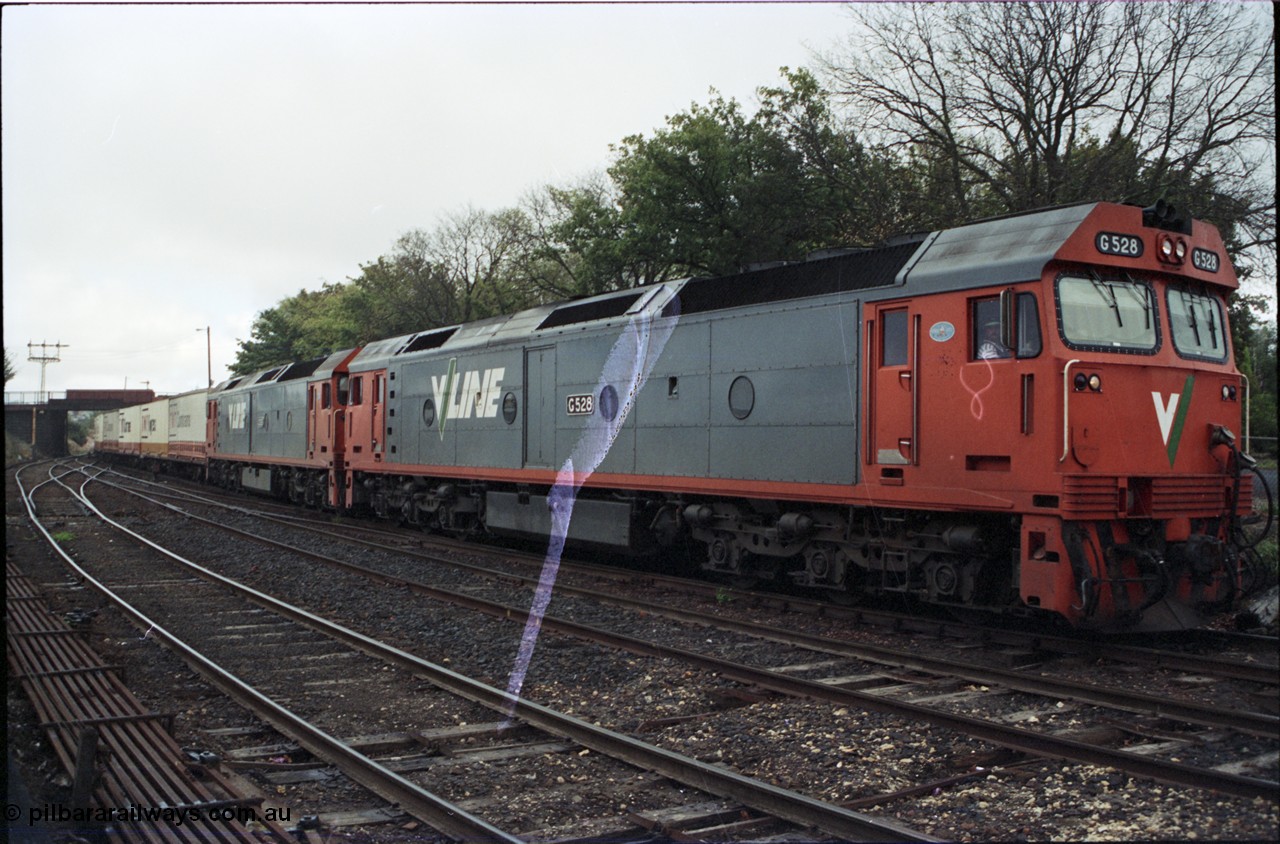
[[278, 419], [484, 437], [784, 393], [446, 411], [581, 402], [413, 423], [957, 418], [670, 416], [539, 415], [234, 433]]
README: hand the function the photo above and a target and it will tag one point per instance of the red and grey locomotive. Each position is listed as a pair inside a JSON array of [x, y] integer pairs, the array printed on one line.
[[1034, 414]]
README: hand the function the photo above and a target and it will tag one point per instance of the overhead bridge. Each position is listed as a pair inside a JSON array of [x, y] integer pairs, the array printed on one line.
[[40, 419]]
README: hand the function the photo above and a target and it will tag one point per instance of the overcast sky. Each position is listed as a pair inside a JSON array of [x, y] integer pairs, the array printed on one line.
[[172, 167]]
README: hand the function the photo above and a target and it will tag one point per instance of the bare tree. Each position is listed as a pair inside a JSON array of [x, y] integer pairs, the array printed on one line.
[[473, 253], [1020, 105]]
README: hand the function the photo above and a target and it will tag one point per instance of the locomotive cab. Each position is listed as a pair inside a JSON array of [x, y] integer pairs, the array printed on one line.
[[1151, 483]]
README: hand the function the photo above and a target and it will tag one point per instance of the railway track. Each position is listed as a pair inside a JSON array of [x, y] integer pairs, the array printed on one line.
[[1206, 653], [944, 682], [243, 643]]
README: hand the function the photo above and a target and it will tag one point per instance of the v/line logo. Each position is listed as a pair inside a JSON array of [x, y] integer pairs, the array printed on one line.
[[476, 393], [1171, 415], [238, 415]]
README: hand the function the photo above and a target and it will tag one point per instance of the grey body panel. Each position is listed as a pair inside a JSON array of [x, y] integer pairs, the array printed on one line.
[[266, 420], [466, 439], [540, 407], [800, 356]]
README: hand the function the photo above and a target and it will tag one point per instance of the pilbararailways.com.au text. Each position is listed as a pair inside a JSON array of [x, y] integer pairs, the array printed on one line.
[[172, 815]]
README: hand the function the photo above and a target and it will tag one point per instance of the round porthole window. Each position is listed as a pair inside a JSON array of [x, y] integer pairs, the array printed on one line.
[[428, 413], [509, 407], [742, 397], [609, 402]]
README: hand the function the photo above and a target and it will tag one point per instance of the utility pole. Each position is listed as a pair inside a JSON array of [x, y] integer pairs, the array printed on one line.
[[44, 359], [208, 337]]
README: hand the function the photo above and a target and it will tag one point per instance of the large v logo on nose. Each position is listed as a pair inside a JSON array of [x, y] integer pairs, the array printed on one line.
[[1172, 415], [1165, 413]]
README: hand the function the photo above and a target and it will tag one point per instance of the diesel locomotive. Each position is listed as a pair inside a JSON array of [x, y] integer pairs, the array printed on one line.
[[1034, 414]]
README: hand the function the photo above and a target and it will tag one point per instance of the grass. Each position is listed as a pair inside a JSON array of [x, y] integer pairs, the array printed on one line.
[[62, 536], [1268, 551]]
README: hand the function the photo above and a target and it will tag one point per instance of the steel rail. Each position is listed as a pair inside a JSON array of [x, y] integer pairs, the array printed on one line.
[[441, 814], [1256, 723], [75, 695], [1011, 737], [787, 805]]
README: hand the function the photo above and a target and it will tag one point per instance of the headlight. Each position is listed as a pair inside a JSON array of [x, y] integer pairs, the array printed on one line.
[[1095, 382]]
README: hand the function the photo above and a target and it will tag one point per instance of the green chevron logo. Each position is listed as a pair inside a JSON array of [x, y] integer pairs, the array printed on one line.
[[443, 406], [1172, 416]]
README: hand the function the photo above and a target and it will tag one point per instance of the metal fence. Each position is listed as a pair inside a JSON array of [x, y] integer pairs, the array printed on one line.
[[34, 397]]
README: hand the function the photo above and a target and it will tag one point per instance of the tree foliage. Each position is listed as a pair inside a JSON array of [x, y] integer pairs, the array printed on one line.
[[300, 327], [715, 190], [1014, 106], [463, 270]]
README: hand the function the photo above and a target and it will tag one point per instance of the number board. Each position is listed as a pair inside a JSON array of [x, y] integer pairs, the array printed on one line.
[[1124, 245], [582, 405], [1203, 259]]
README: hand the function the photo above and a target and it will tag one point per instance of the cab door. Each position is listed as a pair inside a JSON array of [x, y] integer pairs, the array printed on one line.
[[893, 340], [364, 411], [377, 420], [540, 407]]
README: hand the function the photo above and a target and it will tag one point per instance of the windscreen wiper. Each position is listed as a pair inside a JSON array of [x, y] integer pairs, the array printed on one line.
[[1190, 305], [1109, 296]]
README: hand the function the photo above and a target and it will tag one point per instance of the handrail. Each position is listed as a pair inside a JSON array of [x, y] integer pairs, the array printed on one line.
[[1247, 449], [1066, 414], [28, 397]]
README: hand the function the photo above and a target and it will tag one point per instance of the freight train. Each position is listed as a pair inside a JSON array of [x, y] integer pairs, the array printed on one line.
[[1035, 414]]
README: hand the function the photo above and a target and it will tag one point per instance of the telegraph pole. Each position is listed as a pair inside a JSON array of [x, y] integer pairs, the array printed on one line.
[[44, 359]]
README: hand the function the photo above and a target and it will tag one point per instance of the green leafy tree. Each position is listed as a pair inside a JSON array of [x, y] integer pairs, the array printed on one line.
[[715, 190], [301, 327], [574, 244], [836, 190]]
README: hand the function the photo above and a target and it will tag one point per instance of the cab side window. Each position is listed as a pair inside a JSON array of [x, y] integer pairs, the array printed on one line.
[[893, 341], [1029, 344], [984, 329]]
